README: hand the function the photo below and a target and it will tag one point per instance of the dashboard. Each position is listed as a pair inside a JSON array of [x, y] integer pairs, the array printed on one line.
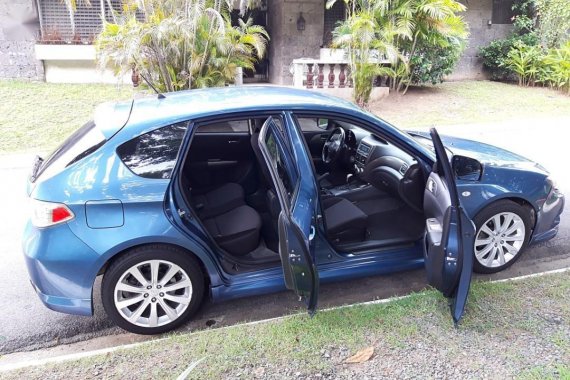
[[389, 169]]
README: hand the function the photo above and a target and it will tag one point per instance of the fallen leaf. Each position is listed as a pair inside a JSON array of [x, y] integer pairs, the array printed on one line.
[[361, 356]]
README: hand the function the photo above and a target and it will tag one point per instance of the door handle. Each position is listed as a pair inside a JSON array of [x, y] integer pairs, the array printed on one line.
[[312, 233], [233, 141]]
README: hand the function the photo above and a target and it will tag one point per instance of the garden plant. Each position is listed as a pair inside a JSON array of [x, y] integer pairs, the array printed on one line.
[[180, 44]]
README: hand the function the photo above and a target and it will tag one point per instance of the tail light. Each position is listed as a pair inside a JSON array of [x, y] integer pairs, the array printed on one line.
[[46, 214]]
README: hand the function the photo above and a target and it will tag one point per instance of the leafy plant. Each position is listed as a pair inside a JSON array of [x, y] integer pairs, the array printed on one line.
[[556, 68], [525, 61], [494, 56], [396, 30], [180, 44], [432, 63], [365, 41], [554, 25]]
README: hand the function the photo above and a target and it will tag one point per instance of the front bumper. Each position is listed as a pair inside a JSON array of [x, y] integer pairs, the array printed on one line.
[[62, 268], [548, 217]]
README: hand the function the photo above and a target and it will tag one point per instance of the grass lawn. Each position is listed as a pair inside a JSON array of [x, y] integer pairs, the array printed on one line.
[[511, 330], [35, 117], [470, 102]]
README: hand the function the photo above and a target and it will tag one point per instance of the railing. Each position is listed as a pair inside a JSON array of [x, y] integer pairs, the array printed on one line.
[[331, 70]]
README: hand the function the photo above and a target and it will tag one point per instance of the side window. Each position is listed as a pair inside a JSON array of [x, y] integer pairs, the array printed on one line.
[[312, 124], [153, 155], [230, 126], [285, 170]]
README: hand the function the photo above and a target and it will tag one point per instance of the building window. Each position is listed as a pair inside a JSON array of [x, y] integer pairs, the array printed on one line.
[[332, 16], [55, 21], [502, 12]]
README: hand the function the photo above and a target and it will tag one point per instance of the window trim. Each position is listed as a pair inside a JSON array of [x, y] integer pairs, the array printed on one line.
[[287, 202]]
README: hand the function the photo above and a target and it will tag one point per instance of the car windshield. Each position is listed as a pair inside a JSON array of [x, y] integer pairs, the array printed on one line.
[[426, 141], [77, 146]]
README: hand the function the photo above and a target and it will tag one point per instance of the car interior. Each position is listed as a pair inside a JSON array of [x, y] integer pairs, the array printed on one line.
[[371, 192]]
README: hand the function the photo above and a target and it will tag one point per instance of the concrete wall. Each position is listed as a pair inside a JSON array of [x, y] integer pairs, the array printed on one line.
[[478, 16], [19, 27], [288, 43]]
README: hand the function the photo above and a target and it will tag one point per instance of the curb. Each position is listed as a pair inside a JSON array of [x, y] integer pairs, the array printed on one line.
[[69, 357]]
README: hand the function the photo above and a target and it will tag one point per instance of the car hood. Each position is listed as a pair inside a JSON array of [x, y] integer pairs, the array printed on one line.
[[485, 153]]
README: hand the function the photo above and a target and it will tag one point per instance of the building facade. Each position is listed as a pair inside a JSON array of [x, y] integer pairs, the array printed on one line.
[[38, 42]]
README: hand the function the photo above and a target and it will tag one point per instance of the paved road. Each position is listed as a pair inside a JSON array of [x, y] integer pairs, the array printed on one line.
[[26, 325]]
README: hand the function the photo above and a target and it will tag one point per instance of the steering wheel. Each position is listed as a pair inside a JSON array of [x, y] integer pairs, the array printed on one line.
[[333, 146]]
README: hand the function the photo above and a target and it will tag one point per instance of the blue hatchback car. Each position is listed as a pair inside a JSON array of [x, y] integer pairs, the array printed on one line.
[[233, 192]]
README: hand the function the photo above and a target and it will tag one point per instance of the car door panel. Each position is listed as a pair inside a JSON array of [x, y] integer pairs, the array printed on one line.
[[217, 158], [296, 190], [449, 234]]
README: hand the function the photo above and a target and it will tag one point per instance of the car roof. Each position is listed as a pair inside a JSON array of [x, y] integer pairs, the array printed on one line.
[[193, 104]]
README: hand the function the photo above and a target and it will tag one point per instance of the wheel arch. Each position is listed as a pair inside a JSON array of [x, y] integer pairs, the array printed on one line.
[[521, 201], [115, 256]]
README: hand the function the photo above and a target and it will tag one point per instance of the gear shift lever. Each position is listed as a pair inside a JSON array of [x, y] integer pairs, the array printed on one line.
[[349, 177]]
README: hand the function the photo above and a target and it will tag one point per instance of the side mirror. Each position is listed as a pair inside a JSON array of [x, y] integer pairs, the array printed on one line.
[[467, 168], [323, 124]]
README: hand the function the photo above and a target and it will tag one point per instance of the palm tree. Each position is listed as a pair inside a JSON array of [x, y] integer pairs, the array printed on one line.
[[393, 28], [366, 40], [176, 50]]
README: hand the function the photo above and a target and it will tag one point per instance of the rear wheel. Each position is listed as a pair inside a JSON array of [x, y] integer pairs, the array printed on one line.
[[503, 230], [152, 289]]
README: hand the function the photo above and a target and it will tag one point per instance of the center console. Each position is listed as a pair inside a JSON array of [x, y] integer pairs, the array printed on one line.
[[362, 153]]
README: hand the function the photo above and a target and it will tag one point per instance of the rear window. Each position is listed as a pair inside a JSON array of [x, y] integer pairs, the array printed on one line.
[[153, 155], [80, 144]]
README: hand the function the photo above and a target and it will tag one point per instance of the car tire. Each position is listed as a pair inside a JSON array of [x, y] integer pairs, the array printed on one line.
[[502, 233], [152, 289]]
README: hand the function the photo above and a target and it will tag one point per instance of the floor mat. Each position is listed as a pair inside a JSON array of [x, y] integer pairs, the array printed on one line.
[[402, 223]]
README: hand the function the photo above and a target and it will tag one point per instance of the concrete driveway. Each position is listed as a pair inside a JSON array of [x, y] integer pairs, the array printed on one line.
[[25, 324]]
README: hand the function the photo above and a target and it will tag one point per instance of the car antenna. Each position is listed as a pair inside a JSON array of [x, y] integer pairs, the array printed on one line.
[[160, 96]]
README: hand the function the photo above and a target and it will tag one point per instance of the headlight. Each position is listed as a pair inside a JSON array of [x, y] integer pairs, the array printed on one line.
[[553, 184]]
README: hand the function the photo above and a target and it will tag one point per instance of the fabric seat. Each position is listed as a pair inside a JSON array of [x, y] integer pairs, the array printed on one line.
[[219, 200], [344, 221], [237, 231]]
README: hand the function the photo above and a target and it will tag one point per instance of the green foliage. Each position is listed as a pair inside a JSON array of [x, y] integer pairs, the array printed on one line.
[[494, 56], [555, 69], [394, 30], [538, 24], [180, 44], [554, 22], [525, 61], [432, 63]]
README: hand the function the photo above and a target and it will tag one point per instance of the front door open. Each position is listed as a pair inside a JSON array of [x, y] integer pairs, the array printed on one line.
[[449, 234], [296, 190]]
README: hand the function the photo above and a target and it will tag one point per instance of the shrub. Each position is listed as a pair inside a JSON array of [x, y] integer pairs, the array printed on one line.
[[494, 56], [432, 63], [179, 45], [555, 70], [554, 22], [525, 61]]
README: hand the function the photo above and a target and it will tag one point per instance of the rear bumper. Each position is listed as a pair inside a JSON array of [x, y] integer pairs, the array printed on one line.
[[61, 267], [64, 304], [548, 218]]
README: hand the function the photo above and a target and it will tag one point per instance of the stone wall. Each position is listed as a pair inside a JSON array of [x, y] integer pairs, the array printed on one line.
[[288, 43], [478, 16], [19, 27]]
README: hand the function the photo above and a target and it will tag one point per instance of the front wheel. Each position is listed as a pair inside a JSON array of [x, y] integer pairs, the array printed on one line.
[[152, 289], [503, 231]]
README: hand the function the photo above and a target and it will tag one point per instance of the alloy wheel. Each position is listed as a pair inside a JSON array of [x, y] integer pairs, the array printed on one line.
[[153, 293], [499, 239]]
